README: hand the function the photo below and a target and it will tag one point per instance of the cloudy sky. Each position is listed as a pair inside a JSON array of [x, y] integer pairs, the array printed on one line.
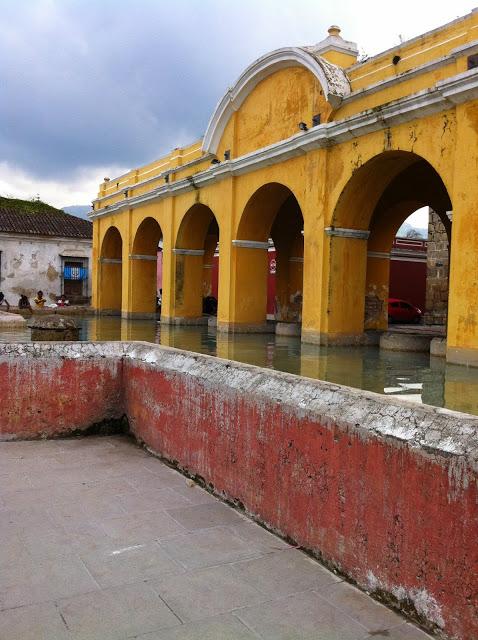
[[91, 88]]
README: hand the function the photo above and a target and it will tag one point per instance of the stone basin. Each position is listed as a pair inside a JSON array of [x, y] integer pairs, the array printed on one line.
[[54, 327], [11, 320]]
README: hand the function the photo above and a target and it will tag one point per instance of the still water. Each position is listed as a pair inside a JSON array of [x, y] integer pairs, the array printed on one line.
[[414, 376]]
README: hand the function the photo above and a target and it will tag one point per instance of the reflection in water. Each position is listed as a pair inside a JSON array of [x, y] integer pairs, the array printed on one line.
[[415, 376]]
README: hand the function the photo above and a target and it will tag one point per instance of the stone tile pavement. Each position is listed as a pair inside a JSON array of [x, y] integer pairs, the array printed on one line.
[[101, 541]]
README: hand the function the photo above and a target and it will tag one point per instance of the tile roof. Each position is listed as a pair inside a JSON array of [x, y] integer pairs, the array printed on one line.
[[39, 219]]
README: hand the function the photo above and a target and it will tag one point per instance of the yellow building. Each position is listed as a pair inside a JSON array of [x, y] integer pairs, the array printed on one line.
[[327, 155]]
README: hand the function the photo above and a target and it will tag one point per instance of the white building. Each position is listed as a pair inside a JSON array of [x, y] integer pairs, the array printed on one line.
[[43, 248]]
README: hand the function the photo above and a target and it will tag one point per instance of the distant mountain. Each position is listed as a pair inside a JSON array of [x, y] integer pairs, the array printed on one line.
[[409, 231], [78, 210]]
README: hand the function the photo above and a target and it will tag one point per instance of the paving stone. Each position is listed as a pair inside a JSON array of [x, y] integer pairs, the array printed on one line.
[[284, 572], [12, 480], [28, 582], [120, 565], [209, 547], [371, 614], [404, 631], [206, 592], [306, 616], [130, 529], [226, 627], [85, 522], [151, 500], [119, 612], [202, 516], [35, 622], [195, 494], [146, 480], [259, 537]]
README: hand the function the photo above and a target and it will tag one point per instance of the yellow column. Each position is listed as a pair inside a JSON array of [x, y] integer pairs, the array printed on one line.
[[167, 305], [142, 286], [126, 267], [316, 250], [188, 286], [376, 290], [248, 305], [109, 299], [462, 334], [95, 266]]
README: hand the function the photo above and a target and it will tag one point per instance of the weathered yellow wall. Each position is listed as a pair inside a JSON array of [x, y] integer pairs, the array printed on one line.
[[274, 109], [342, 185]]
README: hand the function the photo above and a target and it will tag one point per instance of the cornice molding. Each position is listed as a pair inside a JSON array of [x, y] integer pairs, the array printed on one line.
[[188, 252], [463, 50], [250, 244], [140, 256], [445, 95], [341, 232]]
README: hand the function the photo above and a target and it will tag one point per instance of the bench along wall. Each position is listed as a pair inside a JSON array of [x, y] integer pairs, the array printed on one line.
[[381, 490]]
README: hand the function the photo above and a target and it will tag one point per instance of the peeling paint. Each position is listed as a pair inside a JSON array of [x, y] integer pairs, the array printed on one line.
[[381, 490]]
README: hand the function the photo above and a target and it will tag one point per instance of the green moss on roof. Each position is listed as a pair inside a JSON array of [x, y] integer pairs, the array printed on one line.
[[27, 206], [33, 217]]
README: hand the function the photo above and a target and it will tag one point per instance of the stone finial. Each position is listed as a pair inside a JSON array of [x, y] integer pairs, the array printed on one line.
[[334, 31], [334, 44]]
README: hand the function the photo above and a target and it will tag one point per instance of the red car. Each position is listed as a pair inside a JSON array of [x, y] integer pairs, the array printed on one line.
[[403, 311]]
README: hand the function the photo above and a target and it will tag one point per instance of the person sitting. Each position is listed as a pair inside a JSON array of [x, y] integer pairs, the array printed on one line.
[[4, 301], [62, 301], [40, 300], [24, 303]]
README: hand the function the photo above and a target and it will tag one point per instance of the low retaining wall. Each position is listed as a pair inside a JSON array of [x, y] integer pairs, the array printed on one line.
[[50, 389], [382, 490]]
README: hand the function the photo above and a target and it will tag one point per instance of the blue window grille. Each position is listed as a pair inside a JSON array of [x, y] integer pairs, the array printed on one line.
[[75, 273]]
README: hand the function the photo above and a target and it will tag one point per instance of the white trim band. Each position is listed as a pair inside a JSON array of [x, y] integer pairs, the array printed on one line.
[[444, 95], [341, 232], [139, 256], [111, 260], [378, 254], [296, 259], [189, 252], [250, 244]]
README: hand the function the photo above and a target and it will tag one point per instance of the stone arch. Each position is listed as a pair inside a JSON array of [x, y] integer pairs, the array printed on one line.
[[333, 80], [111, 272], [272, 212], [376, 200], [144, 269], [196, 242]]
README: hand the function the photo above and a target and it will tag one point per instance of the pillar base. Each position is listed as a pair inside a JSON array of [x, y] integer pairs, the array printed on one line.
[[310, 336], [288, 328], [108, 312], [438, 347], [239, 327], [462, 355], [184, 320], [405, 342], [139, 315]]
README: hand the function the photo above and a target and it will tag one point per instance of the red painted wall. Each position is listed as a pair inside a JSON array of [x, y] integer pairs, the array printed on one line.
[[46, 397], [386, 515], [325, 465], [408, 281], [408, 271]]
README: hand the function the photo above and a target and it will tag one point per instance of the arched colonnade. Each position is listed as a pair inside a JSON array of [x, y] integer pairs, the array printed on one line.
[[332, 272]]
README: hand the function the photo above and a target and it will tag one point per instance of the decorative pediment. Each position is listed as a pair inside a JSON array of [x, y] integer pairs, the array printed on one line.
[[333, 80]]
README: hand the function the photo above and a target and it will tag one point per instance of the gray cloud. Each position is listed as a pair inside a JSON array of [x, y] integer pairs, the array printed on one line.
[[98, 83]]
